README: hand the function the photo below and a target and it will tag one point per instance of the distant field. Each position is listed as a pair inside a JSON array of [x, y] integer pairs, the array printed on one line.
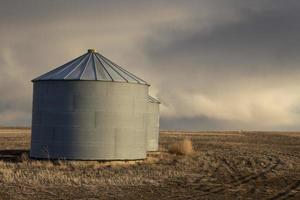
[[225, 165]]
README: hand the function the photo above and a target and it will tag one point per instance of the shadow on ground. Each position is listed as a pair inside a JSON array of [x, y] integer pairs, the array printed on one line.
[[13, 155]]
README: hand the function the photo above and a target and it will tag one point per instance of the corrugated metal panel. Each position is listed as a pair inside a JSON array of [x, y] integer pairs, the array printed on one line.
[[89, 120], [91, 66], [152, 123]]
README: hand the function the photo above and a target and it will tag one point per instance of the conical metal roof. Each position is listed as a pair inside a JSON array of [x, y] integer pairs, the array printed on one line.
[[91, 66]]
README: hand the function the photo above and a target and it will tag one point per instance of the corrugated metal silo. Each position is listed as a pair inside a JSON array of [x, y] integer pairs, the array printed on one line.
[[89, 109], [153, 124]]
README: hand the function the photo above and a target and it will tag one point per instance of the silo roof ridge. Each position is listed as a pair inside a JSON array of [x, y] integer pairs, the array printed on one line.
[[91, 66]]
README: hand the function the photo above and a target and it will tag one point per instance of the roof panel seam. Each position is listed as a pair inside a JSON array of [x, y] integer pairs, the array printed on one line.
[[115, 70], [94, 67], [55, 71], [104, 67], [125, 71], [119, 68], [78, 65], [67, 67], [85, 67]]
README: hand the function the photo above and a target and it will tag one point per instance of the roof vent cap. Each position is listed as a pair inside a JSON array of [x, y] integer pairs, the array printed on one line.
[[91, 50]]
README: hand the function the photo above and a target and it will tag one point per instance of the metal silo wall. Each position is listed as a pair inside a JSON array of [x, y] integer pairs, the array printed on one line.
[[153, 126], [89, 120]]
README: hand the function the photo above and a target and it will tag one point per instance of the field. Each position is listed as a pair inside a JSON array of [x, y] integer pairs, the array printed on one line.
[[225, 165]]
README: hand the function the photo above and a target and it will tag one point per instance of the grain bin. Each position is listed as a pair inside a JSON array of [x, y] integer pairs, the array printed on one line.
[[152, 124], [89, 109]]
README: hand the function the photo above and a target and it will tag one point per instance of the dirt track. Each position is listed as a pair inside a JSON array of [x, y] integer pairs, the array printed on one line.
[[229, 165]]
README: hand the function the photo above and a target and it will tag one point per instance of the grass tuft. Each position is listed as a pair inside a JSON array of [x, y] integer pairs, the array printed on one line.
[[184, 147], [24, 157]]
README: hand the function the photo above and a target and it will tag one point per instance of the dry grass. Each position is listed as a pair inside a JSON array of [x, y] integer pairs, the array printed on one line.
[[184, 147], [249, 165], [199, 133]]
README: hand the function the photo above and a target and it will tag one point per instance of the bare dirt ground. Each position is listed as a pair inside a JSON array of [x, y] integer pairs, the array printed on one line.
[[225, 165]]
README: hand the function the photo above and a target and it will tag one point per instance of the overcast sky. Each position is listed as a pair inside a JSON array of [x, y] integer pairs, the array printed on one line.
[[214, 64]]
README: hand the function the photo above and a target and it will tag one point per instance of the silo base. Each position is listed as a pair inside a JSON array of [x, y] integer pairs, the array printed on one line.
[[71, 155]]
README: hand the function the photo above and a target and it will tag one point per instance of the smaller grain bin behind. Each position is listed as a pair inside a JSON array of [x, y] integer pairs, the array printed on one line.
[[152, 124]]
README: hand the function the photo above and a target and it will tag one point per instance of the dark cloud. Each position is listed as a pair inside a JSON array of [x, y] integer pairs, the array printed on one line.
[[258, 42], [208, 124], [214, 64]]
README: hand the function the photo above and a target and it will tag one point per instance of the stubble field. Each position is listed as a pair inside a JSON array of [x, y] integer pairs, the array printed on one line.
[[225, 165]]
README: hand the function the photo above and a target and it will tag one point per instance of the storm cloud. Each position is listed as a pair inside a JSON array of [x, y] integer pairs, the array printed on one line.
[[215, 65]]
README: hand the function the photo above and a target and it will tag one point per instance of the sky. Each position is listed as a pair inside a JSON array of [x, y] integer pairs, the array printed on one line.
[[214, 64]]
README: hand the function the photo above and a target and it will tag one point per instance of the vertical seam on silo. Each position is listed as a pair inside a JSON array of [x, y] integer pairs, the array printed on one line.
[[95, 119], [47, 89], [84, 69], [104, 67], [40, 117], [115, 146], [73, 103], [132, 105], [37, 101], [53, 132], [115, 70]]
